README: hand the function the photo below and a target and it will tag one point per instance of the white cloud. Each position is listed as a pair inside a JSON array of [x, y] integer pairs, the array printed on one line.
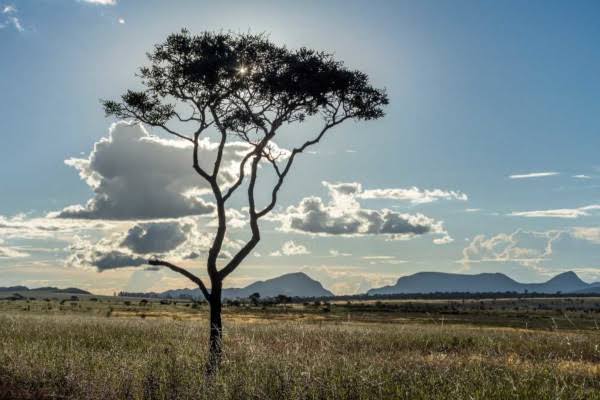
[[337, 253], [290, 248], [101, 2], [374, 260], [414, 195], [526, 248], [533, 175], [446, 239], [343, 215], [558, 213], [591, 234], [11, 18]]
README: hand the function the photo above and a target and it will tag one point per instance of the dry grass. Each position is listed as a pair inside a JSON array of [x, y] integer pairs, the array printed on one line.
[[93, 357]]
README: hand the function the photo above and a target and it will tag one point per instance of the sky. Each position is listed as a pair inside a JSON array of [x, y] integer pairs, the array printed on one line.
[[486, 161]]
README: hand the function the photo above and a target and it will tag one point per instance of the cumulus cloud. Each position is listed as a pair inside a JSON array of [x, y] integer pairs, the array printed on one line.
[[343, 215], [526, 248], [175, 240], [533, 175], [290, 248], [139, 176], [102, 255], [156, 237], [558, 213], [135, 175]]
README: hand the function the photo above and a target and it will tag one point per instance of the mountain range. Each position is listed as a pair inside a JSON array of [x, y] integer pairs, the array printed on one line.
[[15, 289], [301, 285], [296, 284], [431, 282]]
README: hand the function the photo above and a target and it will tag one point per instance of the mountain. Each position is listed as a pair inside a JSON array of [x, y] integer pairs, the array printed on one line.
[[294, 285], [430, 282], [13, 289]]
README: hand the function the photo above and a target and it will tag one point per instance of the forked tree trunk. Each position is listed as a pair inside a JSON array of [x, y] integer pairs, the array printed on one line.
[[215, 350]]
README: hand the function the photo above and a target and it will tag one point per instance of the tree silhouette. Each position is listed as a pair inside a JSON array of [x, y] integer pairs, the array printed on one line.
[[254, 298], [242, 87]]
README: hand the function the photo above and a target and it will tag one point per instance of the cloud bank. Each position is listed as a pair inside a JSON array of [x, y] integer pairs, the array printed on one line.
[[344, 216]]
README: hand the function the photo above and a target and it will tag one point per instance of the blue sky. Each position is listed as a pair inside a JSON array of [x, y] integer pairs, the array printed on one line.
[[479, 91]]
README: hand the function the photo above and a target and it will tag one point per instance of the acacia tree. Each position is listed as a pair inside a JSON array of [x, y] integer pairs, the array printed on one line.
[[242, 87]]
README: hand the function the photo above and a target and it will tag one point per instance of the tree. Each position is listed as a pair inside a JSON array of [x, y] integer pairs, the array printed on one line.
[[242, 87], [282, 299], [254, 298]]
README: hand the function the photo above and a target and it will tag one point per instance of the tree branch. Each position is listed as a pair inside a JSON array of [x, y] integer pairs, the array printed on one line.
[[223, 132], [244, 251], [196, 164], [139, 117], [282, 174], [184, 272]]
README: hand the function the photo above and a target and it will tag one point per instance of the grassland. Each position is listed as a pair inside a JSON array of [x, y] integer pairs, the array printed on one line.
[[119, 349]]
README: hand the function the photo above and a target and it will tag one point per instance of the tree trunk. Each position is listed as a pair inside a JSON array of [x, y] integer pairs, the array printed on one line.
[[215, 350]]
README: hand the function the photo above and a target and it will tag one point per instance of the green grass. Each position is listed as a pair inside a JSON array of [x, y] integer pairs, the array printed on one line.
[[91, 356]]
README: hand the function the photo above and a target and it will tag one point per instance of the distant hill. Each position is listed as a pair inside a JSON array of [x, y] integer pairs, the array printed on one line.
[[593, 288], [20, 289], [431, 282], [12, 289], [294, 285]]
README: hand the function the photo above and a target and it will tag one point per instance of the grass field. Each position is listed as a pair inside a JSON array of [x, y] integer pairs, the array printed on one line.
[[117, 350]]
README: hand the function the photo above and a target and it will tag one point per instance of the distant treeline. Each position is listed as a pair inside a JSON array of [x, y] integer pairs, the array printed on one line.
[[461, 295], [397, 296], [149, 295]]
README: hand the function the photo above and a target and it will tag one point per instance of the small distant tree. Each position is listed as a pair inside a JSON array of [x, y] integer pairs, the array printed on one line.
[[254, 298], [242, 87], [282, 299]]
